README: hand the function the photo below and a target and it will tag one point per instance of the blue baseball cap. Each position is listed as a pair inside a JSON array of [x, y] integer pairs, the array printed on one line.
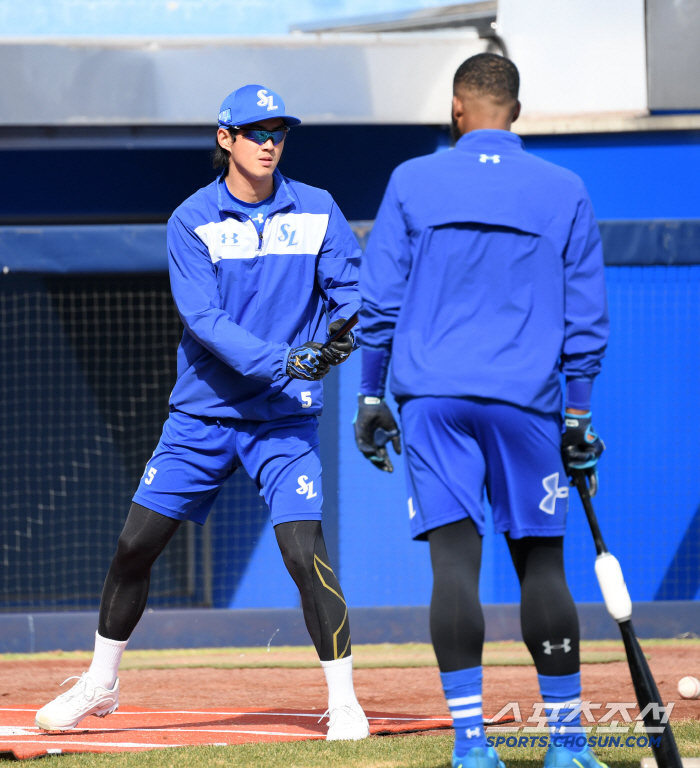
[[251, 104]]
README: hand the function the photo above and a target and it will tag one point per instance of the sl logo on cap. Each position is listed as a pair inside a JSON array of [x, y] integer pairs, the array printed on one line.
[[266, 100]]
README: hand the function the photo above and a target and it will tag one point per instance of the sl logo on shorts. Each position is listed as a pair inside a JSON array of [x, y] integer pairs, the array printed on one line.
[[306, 487], [554, 492]]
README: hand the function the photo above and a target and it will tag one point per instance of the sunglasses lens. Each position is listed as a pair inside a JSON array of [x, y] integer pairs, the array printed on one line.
[[260, 137]]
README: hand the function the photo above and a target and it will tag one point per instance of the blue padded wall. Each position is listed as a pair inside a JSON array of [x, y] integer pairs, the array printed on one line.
[[631, 175], [647, 408], [645, 401], [379, 564]]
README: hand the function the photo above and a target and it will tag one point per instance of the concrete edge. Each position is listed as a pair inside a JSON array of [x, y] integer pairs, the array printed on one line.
[[604, 122], [256, 627]]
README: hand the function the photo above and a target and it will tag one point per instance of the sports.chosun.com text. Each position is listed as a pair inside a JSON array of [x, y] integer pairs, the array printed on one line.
[[572, 741], [615, 724]]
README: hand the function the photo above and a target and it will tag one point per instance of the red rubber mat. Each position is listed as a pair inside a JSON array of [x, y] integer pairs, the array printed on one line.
[[131, 729]]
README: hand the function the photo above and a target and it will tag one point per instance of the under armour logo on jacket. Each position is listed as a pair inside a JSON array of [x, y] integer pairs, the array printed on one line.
[[554, 492], [266, 100], [233, 238], [492, 158]]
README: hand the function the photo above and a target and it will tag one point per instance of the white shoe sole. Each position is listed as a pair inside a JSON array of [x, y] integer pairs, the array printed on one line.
[[70, 726]]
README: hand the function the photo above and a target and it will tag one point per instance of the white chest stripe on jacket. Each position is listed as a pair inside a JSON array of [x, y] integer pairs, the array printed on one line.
[[285, 233], [295, 233], [229, 239]]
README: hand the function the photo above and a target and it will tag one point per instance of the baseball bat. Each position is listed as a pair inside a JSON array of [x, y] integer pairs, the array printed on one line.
[[348, 325], [619, 605], [344, 328]]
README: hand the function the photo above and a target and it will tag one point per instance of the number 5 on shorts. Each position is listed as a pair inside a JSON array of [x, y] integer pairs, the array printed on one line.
[[151, 474], [306, 399]]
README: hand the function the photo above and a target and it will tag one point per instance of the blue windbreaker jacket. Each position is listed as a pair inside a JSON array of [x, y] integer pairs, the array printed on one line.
[[246, 300], [485, 271]]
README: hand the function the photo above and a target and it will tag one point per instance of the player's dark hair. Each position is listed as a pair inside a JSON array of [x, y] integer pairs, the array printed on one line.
[[488, 73], [220, 156]]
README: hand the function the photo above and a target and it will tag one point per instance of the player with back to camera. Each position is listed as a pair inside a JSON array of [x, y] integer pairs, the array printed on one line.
[[483, 280], [256, 262]]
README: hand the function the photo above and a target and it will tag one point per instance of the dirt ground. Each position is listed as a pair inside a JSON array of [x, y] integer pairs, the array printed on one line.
[[396, 690]]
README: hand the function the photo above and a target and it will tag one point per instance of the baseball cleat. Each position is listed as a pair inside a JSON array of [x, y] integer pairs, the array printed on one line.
[[478, 757], [83, 699], [347, 723], [561, 757]]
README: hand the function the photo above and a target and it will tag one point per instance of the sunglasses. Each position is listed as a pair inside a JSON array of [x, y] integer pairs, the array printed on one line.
[[261, 137]]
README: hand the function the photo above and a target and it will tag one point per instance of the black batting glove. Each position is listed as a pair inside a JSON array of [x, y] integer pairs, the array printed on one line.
[[309, 362], [375, 426], [341, 348], [581, 448]]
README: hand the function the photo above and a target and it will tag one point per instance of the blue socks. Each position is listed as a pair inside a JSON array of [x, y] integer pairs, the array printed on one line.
[[463, 693], [563, 689]]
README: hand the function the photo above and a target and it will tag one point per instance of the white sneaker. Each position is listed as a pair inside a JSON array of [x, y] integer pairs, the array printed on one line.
[[83, 699], [347, 723]]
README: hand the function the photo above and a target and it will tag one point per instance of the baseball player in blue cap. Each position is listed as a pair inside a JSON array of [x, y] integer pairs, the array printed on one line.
[[483, 282], [259, 265]]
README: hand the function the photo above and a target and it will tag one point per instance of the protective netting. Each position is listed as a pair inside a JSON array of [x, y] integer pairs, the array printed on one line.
[[86, 368]]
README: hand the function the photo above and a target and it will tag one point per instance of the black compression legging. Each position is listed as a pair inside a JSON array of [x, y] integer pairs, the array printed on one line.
[[322, 600], [145, 536], [547, 612]]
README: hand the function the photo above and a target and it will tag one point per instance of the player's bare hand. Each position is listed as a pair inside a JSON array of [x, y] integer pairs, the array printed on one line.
[[375, 426], [310, 362], [341, 348], [581, 448]]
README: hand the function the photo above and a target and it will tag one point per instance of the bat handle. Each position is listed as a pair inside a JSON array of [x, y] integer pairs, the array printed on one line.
[[347, 326], [579, 479]]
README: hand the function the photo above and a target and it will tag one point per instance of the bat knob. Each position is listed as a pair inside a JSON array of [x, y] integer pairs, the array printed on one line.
[[592, 484], [585, 480], [382, 436]]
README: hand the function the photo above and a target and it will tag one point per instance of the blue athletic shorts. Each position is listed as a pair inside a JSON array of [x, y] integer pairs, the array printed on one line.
[[456, 447], [196, 455]]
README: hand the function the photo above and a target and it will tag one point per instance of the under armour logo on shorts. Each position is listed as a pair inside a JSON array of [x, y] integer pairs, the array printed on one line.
[[554, 492]]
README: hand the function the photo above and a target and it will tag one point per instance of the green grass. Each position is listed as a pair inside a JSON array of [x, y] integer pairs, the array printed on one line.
[[365, 656], [412, 751]]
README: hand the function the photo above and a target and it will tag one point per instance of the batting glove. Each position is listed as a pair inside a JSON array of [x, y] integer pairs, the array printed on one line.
[[581, 448], [341, 348], [375, 426], [309, 362]]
